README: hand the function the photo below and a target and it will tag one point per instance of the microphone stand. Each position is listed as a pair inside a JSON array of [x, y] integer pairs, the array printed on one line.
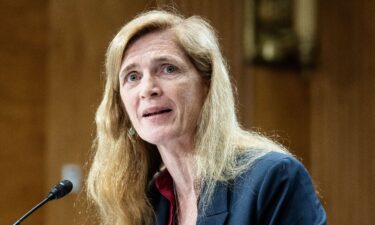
[[50, 197], [58, 191]]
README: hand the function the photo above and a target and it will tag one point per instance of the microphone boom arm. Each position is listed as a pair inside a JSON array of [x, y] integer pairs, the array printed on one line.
[[32, 210], [58, 191]]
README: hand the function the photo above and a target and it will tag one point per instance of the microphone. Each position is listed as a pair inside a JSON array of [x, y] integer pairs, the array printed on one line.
[[61, 189]]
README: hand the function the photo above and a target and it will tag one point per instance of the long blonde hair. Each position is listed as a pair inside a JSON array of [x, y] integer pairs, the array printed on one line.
[[123, 164]]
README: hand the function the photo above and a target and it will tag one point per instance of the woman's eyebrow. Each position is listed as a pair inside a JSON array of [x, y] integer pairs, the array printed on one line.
[[127, 68], [165, 59], [158, 59]]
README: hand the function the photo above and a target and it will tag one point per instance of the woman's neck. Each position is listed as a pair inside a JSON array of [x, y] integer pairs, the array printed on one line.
[[179, 160]]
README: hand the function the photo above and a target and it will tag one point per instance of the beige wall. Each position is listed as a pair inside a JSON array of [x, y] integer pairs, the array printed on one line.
[[51, 57]]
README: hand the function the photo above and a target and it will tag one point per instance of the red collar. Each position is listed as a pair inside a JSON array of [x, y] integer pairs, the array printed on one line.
[[164, 184]]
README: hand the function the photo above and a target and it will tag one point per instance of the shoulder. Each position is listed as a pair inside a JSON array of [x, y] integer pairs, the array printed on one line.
[[275, 171], [276, 159], [271, 162], [274, 163], [277, 187]]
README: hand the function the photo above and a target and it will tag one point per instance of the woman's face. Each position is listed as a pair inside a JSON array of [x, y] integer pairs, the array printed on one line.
[[162, 91]]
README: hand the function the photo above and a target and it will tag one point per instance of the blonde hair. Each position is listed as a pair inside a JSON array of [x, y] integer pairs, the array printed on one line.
[[123, 165]]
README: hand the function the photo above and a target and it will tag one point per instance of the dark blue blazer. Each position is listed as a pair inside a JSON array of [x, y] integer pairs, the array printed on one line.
[[276, 190]]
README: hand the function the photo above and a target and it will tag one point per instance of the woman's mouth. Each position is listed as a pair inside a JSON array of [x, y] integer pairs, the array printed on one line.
[[156, 112]]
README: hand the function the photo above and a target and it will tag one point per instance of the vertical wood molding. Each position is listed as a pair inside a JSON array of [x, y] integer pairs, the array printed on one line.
[[343, 109], [22, 88], [281, 108]]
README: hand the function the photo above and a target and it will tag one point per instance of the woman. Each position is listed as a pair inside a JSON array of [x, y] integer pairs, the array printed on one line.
[[169, 148]]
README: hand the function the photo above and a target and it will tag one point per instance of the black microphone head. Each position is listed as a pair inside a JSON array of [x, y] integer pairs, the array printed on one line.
[[60, 190]]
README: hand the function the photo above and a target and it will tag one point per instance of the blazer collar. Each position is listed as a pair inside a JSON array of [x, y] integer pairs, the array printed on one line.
[[217, 211]]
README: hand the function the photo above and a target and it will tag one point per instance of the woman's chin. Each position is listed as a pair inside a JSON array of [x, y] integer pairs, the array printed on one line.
[[156, 138]]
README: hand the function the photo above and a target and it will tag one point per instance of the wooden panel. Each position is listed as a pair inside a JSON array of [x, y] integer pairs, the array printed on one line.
[[343, 109], [22, 84], [80, 34], [280, 107]]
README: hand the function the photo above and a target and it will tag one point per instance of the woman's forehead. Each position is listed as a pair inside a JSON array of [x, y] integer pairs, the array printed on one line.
[[159, 44]]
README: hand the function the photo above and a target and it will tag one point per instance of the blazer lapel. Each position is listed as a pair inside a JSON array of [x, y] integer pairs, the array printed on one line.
[[217, 211], [162, 212]]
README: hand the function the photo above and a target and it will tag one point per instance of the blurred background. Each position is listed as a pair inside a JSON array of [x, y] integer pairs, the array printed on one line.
[[320, 105]]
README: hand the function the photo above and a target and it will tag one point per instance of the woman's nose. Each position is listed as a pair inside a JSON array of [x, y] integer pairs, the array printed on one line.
[[149, 87]]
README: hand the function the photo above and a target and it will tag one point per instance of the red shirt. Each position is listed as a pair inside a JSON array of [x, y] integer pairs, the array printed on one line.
[[164, 184]]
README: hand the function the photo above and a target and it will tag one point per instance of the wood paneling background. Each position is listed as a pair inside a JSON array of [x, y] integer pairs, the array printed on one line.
[[23, 35], [280, 107], [343, 111], [51, 57]]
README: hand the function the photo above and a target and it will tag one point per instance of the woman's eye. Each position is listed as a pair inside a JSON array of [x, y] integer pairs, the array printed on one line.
[[169, 69], [132, 77]]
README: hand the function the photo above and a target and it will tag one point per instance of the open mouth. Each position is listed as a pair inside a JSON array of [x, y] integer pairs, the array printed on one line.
[[157, 112]]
